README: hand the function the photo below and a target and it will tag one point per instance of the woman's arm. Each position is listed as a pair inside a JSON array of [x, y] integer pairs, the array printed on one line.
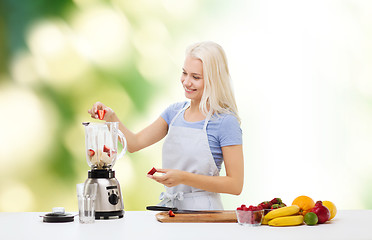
[[135, 141], [148, 136], [232, 183]]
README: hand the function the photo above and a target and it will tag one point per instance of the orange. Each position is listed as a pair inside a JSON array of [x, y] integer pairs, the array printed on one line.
[[305, 203], [331, 207]]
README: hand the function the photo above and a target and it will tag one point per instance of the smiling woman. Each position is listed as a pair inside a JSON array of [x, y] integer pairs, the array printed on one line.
[[201, 134]]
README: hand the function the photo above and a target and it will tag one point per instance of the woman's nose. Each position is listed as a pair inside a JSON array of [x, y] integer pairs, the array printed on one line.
[[187, 81]]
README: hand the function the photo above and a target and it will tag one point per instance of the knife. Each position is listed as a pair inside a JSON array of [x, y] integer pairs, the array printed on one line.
[[176, 210]]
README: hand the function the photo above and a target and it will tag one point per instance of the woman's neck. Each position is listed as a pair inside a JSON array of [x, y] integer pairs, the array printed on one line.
[[194, 106], [193, 113]]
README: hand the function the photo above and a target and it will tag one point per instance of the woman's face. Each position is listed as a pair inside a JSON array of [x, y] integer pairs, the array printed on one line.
[[192, 78]]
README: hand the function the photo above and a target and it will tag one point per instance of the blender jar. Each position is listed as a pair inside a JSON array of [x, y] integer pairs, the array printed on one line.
[[101, 142]]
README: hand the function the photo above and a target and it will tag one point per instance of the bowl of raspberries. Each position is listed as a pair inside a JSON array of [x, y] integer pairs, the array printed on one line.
[[250, 216], [253, 215]]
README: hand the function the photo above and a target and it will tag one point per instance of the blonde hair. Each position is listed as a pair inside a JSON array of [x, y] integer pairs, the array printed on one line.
[[218, 95]]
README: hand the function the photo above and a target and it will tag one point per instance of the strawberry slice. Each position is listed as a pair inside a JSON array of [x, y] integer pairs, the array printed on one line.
[[91, 152], [152, 171], [106, 150], [101, 114], [171, 213]]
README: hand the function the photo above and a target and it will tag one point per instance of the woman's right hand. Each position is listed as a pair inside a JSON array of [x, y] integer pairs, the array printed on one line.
[[109, 113]]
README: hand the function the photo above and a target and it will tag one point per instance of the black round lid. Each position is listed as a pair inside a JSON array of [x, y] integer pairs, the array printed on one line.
[[58, 217]]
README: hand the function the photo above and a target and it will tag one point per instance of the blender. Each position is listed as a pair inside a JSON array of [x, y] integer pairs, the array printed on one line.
[[101, 141]]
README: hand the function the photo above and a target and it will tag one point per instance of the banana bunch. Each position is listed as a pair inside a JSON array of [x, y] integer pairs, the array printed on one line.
[[285, 216]]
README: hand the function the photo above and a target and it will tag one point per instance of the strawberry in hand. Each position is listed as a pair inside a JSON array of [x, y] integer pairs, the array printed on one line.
[[101, 114], [152, 171]]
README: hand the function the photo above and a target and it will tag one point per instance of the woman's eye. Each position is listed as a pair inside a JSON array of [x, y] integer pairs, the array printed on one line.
[[196, 77], [183, 73]]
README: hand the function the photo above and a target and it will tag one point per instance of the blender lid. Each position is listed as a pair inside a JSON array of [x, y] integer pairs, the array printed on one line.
[[56, 217]]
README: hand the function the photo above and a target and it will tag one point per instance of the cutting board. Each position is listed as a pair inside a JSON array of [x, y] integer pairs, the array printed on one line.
[[221, 216]]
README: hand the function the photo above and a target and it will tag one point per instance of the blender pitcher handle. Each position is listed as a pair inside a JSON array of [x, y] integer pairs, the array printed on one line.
[[123, 141]]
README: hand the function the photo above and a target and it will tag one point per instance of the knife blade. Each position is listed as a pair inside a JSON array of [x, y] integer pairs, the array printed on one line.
[[176, 210]]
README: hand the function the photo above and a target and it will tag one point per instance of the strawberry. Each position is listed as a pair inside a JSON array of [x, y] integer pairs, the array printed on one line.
[[276, 201], [152, 171], [282, 205], [265, 204], [101, 114], [91, 152], [275, 206], [171, 213], [106, 150]]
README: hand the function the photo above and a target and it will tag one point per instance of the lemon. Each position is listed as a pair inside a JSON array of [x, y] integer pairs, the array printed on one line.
[[311, 218], [331, 207]]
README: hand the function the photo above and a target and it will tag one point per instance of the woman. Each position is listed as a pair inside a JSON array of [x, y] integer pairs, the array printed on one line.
[[201, 134]]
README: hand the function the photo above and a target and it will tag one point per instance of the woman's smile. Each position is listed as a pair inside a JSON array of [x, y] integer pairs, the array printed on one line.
[[189, 90]]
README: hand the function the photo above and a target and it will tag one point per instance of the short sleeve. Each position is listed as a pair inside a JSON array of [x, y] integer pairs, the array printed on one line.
[[170, 112], [230, 132]]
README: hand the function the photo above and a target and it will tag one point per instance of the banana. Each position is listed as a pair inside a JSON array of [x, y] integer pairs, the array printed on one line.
[[265, 221], [287, 221], [282, 212]]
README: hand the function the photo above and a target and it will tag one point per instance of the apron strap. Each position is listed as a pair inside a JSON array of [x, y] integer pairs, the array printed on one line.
[[184, 108], [207, 120], [175, 117]]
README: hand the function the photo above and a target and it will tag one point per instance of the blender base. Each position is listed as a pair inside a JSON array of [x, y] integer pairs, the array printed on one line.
[[109, 215]]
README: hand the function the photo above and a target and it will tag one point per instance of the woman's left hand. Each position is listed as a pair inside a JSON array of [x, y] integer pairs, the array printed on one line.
[[171, 177]]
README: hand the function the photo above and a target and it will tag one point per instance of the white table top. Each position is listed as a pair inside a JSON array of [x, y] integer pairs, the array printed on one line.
[[348, 224]]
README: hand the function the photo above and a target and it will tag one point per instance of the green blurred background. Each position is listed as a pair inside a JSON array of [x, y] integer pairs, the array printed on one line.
[[301, 73]]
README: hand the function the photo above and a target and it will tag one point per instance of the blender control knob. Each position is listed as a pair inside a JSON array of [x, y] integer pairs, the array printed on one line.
[[113, 199]]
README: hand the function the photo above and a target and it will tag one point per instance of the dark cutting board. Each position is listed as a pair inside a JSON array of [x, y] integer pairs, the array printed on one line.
[[221, 217]]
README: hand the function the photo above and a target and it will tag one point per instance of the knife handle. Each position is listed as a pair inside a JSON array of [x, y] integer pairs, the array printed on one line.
[[160, 208]]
